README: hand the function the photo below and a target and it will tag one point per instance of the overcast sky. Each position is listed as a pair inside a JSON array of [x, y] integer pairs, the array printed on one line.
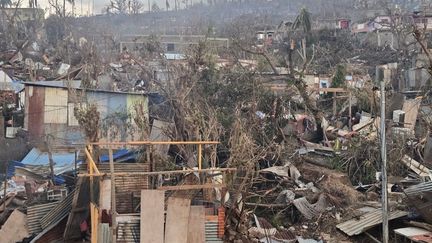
[[86, 5]]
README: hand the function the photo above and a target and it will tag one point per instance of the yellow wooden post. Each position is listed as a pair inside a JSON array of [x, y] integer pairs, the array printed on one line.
[[200, 156], [94, 214]]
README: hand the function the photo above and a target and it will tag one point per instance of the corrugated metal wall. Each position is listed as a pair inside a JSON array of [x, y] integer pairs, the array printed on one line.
[[110, 103], [34, 111], [56, 102], [47, 112]]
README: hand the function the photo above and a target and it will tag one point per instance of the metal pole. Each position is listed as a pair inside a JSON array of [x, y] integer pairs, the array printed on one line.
[[113, 198], [350, 112], [384, 166]]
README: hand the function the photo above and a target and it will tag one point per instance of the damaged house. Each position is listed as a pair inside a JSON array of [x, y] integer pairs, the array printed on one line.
[[49, 108]]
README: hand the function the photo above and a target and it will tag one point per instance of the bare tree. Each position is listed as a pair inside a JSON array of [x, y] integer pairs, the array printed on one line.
[[136, 6]]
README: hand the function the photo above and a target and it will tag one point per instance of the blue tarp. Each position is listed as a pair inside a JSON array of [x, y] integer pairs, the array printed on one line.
[[11, 168], [58, 179], [37, 157], [122, 155]]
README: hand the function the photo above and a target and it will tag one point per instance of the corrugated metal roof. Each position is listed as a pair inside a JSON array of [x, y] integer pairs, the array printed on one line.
[[57, 83], [35, 213], [411, 231], [357, 226], [422, 187], [57, 213], [37, 157], [64, 85], [211, 232], [129, 231]]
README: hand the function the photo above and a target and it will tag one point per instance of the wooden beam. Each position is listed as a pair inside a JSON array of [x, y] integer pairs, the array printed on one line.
[[267, 205], [161, 172], [332, 90], [94, 214], [200, 156], [91, 162], [137, 143], [190, 187]]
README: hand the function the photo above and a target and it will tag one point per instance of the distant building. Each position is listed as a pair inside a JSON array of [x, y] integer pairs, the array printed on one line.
[[423, 20], [49, 110], [379, 23], [172, 44], [331, 24], [24, 14]]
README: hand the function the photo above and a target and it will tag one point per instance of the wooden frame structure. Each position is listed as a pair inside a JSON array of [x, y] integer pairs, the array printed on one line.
[[335, 97], [93, 171]]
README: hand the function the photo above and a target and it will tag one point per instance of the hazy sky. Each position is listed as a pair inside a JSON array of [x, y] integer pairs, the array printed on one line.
[[86, 5]]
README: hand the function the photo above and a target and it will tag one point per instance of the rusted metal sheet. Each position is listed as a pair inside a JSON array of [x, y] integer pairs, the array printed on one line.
[[118, 167], [53, 233], [357, 226], [127, 190], [34, 109]]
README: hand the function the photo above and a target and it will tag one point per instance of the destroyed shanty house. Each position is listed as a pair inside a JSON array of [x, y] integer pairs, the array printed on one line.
[[50, 108], [121, 197], [10, 105]]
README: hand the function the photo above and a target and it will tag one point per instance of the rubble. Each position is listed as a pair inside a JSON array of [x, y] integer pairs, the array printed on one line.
[[208, 148]]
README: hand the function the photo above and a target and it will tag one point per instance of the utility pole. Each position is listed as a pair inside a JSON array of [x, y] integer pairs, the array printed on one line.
[[383, 159], [50, 158]]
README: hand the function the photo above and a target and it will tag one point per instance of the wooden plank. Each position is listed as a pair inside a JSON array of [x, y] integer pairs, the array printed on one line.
[[15, 228], [152, 216], [411, 109], [94, 215], [177, 220], [415, 166], [161, 172], [136, 143], [191, 187], [196, 230], [105, 194], [332, 90]]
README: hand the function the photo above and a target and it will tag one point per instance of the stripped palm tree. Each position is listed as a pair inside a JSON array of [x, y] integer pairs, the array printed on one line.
[[72, 2], [303, 22], [5, 3]]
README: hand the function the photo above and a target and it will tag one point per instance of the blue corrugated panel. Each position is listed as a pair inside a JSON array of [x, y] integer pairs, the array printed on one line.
[[117, 103], [122, 155], [37, 157], [11, 167]]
